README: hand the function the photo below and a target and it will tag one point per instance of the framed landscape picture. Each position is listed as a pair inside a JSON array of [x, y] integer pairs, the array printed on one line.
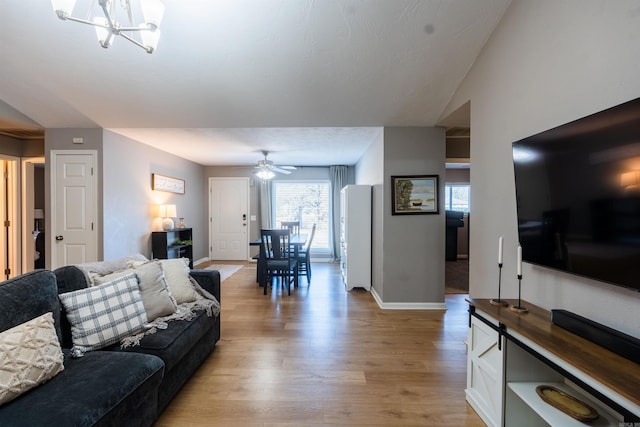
[[414, 195]]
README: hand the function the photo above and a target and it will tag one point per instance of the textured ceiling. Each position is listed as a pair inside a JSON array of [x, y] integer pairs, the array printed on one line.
[[313, 80]]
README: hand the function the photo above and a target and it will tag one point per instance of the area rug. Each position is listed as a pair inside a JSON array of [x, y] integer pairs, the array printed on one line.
[[226, 270]]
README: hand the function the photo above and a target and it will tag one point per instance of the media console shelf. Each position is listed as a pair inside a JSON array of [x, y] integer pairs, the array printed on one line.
[[510, 354]]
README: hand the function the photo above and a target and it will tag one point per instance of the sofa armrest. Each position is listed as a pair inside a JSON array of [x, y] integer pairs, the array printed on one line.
[[209, 280]]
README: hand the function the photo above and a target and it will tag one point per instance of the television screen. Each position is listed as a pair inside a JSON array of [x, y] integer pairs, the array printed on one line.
[[578, 196]]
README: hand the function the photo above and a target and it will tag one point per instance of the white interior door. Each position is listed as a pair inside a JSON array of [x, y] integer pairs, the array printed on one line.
[[74, 238], [229, 219]]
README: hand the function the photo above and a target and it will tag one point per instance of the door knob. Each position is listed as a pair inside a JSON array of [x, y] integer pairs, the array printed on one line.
[[59, 238]]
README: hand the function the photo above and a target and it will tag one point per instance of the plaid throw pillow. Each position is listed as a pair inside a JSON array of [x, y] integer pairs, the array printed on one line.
[[101, 315]]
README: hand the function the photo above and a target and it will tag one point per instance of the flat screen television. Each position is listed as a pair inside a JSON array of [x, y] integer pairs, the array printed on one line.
[[578, 196]]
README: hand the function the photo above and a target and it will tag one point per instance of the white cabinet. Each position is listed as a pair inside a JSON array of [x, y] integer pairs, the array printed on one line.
[[510, 354], [355, 236], [485, 371]]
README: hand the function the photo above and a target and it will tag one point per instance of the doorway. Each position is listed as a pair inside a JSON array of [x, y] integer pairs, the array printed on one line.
[[33, 214], [457, 199], [229, 219], [74, 207], [10, 239]]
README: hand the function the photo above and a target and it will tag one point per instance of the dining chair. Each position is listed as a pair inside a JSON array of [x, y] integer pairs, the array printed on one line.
[[279, 258], [304, 257], [293, 226]]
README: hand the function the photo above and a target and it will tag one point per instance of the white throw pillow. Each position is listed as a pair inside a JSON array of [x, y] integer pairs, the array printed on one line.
[[30, 355], [101, 315], [176, 273], [156, 298], [107, 267]]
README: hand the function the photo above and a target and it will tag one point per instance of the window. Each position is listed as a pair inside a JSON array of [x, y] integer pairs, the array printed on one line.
[[456, 197], [307, 202]]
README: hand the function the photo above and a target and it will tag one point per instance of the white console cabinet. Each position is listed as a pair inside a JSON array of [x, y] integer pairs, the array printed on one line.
[[355, 236], [485, 371], [510, 354]]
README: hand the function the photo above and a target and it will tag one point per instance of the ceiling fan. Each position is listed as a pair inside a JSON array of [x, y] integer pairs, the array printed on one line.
[[267, 170]]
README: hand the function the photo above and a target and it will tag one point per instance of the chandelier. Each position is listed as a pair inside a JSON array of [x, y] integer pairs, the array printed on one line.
[[107, 25]]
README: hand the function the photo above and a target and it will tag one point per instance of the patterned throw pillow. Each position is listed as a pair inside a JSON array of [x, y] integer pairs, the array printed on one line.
[[30, 354], [101, 315]]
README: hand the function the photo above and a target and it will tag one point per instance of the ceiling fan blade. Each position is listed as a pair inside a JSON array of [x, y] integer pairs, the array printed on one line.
[[292, 168], [280, 170]]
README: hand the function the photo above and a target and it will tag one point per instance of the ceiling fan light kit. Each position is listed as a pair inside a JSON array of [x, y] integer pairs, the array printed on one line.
[[108, 27], [267, 170], [265, 174]]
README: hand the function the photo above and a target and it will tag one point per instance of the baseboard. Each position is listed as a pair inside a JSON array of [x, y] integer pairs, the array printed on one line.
[[407, 305], [611, 339], [200, 261]]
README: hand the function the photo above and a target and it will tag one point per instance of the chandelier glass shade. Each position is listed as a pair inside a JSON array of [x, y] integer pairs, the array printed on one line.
[[107, 20]]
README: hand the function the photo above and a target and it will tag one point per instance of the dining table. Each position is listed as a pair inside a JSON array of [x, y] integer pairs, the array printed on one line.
[[296, 241]]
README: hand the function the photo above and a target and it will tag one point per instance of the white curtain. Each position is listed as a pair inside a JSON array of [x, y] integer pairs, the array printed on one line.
[[265, 203], [338, 176]]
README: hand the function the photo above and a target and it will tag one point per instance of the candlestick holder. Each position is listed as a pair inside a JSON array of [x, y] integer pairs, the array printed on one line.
[[499, 301], [519, 308]]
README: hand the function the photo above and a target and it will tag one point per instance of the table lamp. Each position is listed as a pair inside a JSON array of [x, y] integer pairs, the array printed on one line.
[[168, 212]]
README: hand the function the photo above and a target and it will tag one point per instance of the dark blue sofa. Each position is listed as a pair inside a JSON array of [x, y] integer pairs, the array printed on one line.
[[109, 387]]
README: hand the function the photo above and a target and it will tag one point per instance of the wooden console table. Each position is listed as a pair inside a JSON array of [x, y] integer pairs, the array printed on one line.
[[510, 354]]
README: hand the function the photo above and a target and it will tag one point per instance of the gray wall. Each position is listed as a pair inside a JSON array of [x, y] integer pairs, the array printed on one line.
[[130, 205], [408, 251], [413, 244], [21, 148], [527, 81]]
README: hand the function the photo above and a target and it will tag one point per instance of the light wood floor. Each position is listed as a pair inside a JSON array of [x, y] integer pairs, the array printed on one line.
[[327, 357]]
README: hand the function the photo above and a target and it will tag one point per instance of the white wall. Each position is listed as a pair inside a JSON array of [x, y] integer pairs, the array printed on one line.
[[130, 205], [370, 170], [547, 63]]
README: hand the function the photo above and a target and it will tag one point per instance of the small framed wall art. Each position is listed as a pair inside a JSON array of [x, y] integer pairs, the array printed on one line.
[[415, 195], [167, 183]]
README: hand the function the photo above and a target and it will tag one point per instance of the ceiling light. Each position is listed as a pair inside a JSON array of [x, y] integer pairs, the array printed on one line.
[[107, 24], [265, 174], [267, 170]]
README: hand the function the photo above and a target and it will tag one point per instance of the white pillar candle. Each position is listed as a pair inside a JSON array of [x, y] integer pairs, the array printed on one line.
[[519, 261], [500, 250]]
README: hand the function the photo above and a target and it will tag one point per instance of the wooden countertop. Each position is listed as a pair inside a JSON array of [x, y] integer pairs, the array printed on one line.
[[616, 372]]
